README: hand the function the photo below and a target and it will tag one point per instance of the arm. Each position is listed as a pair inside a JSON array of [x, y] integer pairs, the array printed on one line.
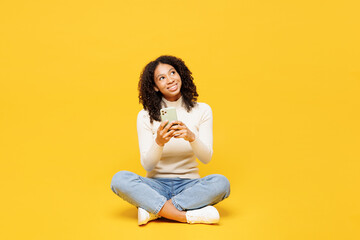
[[150, 151], [203, 144], [151, 148]]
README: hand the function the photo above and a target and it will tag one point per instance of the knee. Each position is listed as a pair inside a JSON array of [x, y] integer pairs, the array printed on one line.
[[222, 184], [121, 181]]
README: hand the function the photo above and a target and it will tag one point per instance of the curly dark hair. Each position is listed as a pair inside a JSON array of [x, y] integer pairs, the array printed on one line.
[[151, 99]]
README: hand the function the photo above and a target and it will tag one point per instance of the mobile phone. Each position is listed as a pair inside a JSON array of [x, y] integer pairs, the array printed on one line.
[[168, 114]]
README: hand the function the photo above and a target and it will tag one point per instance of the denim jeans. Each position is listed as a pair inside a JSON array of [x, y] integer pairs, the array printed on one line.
[[186, 194]]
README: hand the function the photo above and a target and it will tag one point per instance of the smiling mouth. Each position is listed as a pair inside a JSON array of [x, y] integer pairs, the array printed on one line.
[[173, 87]]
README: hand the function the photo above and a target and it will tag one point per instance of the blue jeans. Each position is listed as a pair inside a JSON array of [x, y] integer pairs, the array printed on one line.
[[186, 194]]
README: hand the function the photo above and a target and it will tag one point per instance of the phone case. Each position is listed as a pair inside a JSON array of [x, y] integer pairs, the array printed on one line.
[[168, 114]]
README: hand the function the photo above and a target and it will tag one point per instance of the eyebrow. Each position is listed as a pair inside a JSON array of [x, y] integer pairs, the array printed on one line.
[[163, 74]]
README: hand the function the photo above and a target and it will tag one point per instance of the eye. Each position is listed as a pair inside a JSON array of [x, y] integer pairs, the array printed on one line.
[[161, 78], [173, 72]]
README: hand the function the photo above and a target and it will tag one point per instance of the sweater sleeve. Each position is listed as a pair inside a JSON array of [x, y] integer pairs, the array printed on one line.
[[203, 144], [150, 151]]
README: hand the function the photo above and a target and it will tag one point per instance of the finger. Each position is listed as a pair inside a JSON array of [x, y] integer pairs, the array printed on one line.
[[177, 127], [169, 134], [164, 132], [179, 123], [162, 125], [160, 129], [180, 132], [180, 136], [168, 126]]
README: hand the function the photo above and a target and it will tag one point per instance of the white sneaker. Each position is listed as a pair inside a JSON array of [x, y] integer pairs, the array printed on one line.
[[144, 216], [207, 214]]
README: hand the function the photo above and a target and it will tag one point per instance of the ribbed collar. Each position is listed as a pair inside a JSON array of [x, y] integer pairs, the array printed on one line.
[[178, 103]]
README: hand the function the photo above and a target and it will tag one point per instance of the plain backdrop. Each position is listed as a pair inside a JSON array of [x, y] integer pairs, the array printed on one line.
[[282, 78]]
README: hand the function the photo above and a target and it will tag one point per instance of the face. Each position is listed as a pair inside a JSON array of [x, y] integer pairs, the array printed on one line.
[[167, 81]]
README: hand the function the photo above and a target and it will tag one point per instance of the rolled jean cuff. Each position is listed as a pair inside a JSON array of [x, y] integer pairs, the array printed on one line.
[[160, 206], [176, 205]]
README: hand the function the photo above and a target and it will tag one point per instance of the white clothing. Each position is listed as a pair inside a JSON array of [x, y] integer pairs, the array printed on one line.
[[177, 158]]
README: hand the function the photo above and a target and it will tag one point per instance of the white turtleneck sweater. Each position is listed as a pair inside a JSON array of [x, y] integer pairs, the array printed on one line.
[[177, 158]]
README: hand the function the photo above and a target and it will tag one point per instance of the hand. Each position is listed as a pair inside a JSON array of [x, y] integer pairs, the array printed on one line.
[[164, 134], [182, 131]]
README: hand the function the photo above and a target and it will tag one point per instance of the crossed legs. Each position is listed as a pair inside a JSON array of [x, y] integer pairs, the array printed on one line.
[[169, 211], [149, 194]]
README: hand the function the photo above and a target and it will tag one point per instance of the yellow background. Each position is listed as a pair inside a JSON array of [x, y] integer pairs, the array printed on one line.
[[282, 78]]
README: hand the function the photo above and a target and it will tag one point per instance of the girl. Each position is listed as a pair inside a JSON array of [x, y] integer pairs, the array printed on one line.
[[172, 187]]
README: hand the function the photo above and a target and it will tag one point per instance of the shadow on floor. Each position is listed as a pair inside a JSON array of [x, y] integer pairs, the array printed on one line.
[[222, 211], [131, 213]]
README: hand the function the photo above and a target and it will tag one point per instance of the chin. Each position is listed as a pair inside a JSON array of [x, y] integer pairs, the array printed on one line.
[[177, 93]]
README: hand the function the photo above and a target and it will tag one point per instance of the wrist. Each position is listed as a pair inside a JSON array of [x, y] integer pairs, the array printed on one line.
[[192, 138], [159, 143]]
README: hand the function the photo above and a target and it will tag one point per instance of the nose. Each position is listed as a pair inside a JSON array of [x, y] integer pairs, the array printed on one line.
[[170, 80]]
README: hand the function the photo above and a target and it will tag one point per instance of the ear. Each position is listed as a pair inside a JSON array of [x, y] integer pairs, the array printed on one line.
[[156, 89]]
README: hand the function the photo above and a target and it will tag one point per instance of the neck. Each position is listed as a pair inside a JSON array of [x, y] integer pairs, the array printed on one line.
[[174, 103], [173, 99]]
